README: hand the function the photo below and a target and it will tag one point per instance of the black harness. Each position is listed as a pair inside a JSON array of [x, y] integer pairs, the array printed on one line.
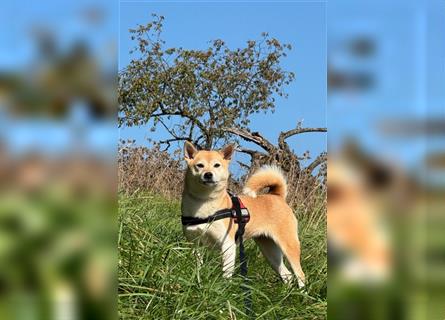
[[238, 213], [240, 216]]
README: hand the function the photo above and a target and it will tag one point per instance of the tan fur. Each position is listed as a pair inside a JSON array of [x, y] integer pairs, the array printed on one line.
[[272, 224], [267, 177]]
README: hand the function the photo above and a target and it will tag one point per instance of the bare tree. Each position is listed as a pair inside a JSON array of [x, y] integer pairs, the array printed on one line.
[[279, 153]]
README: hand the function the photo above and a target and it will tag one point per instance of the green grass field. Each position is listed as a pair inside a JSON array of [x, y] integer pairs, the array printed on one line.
[[159, 277]]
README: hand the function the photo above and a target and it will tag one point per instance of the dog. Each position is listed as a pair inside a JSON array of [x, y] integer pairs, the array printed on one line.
[[272, 223]]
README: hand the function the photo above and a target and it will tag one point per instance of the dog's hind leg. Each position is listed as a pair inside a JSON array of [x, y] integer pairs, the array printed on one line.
[[291, 249], [274, 255]]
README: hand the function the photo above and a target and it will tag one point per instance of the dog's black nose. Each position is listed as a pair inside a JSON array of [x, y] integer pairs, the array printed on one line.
[[208, 175]]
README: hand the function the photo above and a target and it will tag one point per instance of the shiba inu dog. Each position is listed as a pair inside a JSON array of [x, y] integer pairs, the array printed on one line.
[[272, 223]]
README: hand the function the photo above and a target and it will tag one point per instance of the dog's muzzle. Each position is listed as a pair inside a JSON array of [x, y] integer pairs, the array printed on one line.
[[207, 178]]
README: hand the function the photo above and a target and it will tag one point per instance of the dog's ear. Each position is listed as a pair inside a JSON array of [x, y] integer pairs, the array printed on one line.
[[189, 150], [227, 151]]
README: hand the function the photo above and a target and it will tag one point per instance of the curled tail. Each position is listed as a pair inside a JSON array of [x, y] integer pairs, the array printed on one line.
[[267, 177]]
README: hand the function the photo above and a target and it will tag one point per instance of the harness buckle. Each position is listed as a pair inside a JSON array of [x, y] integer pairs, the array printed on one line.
[[245, 216]]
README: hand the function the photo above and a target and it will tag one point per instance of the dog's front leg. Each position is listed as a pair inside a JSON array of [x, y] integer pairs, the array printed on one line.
[[228, 256]]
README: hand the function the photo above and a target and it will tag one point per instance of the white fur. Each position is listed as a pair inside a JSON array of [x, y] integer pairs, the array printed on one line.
[[266, 169], [271, 168], [228, 249], [249, 192]]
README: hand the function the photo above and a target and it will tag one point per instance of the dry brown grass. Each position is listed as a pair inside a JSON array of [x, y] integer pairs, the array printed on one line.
[[149, 169], [307, 193]]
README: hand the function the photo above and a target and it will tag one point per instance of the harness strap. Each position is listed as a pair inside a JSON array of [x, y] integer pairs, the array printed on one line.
[[220, 214], [239, 207], [240, 232]]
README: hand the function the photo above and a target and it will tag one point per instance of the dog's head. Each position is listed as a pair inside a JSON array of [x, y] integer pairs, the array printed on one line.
[[209, 169]]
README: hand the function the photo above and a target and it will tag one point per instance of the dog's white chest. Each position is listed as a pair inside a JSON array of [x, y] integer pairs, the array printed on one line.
[[213, 233]]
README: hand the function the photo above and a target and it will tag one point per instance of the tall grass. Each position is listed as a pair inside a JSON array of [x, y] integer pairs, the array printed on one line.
[[159, 275], [160, 278]]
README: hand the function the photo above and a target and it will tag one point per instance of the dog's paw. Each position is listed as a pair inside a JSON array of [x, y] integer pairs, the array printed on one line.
[[227, 275], [301, 285]]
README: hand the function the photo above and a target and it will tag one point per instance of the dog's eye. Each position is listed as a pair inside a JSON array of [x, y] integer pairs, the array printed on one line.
[[217, 165], [200, 165]]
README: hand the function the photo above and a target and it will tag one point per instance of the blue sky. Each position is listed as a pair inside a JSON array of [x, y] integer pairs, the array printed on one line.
[[302, 24]]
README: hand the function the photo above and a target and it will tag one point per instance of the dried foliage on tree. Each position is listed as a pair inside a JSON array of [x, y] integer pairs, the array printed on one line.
[[205, 90]]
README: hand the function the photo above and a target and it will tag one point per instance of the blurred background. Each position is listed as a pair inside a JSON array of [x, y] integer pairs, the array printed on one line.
[[58, 64], [386, 175], [386, 167]]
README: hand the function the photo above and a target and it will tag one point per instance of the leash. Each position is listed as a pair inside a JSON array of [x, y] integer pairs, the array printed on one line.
[[241, 216], [241, 221]]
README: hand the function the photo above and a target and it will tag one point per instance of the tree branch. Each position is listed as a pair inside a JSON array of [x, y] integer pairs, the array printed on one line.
[[169, 141], [254, 137], [176, 113], [322, 157], [182, 114], [171, 132], [243, 165], [286, 134], [250, 152]]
